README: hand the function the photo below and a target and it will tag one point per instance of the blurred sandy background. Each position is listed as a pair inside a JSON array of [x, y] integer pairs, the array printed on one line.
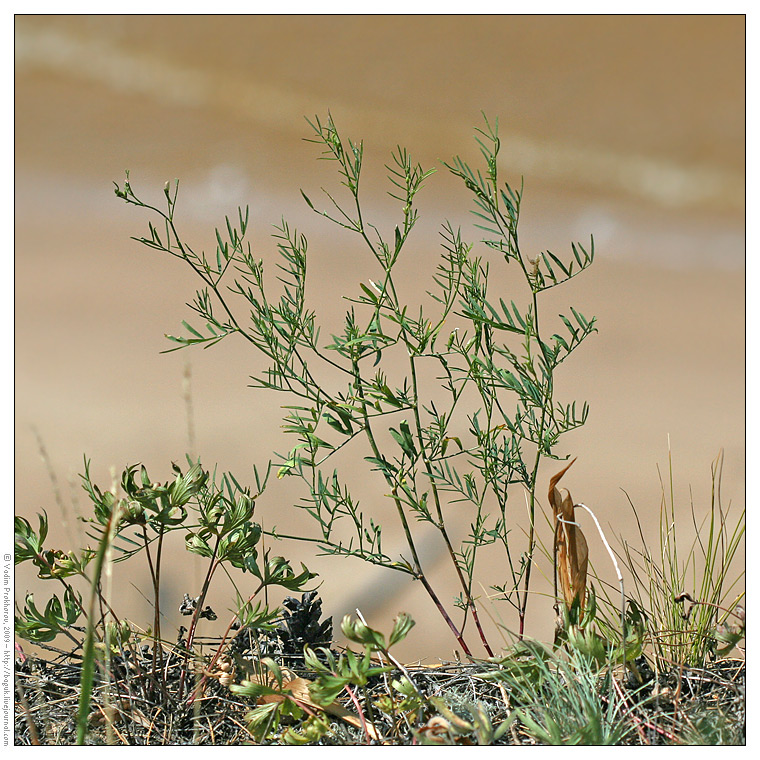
[[630, 128]]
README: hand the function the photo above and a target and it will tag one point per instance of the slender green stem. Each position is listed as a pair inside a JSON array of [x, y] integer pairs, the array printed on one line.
[[419, 573], [88, 651], [441, 524], [155, 580]]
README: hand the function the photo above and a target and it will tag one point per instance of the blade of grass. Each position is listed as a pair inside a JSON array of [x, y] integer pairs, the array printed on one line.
[[88, 652]]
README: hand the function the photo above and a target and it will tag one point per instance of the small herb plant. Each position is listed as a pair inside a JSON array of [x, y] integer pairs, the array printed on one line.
[[216, 519], [494, 359]]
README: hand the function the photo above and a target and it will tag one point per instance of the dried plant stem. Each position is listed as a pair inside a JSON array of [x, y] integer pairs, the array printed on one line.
[[217, 654], [619, 576], [213, 564], [187, 395]]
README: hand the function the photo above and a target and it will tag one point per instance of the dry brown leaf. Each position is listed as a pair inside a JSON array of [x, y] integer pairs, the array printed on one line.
[[570, 547], [299, 688]]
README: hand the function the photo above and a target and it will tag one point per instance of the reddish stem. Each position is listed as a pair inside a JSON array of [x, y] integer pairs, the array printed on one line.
[[445, 615]]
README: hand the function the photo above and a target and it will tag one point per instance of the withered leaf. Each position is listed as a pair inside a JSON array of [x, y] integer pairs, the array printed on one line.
[[570, 547]]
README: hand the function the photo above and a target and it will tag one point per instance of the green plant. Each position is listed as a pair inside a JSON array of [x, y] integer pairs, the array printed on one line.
[[495, 360], [216, 519], [711, 726], [563, 698], [287, 700], [686, 596], [453, 728]]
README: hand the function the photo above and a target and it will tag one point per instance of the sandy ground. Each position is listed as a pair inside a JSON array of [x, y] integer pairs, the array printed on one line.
[[611, 142]]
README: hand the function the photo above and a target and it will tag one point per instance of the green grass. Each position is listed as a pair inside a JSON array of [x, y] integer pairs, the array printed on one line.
[[691, 593]]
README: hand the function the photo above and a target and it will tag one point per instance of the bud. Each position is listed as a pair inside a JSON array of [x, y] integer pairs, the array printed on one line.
[[134, 512]]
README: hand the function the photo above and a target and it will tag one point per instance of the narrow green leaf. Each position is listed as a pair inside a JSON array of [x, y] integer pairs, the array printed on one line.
[[191, 330]]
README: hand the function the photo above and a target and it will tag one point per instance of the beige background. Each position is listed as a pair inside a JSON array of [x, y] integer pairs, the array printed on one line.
[[630, 128]]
